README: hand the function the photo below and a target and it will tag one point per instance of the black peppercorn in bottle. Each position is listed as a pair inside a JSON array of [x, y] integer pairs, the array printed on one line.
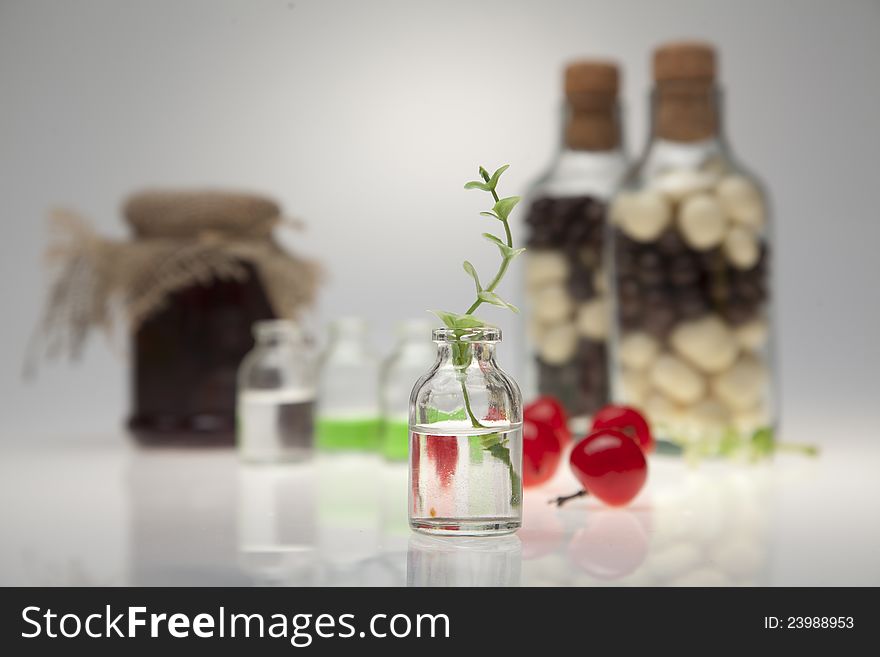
[[566, 306], [689, 269]]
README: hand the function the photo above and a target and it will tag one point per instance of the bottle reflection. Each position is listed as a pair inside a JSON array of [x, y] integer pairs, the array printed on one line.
[[697, 528], [393, 518], [612, 545], [711, 529], [276, 524], [182, 532], [463, 561], [348, 517]]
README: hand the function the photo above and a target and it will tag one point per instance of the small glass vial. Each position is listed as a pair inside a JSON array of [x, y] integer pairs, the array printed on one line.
[[690, 266], [566, 301], [276, 395], [465, 455], [413, 355], [348, 391]]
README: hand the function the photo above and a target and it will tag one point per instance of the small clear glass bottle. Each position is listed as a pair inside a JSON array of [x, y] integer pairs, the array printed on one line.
[[465, 456], [276, 395], [348, 390], [566, 305], [690, 265], [413, 354]]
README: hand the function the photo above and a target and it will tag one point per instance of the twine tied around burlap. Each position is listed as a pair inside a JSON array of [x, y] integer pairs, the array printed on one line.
[[181, 239]]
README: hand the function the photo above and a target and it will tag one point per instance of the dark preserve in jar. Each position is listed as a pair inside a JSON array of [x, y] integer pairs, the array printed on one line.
[[185, 360], [215, 272], [566, 304]]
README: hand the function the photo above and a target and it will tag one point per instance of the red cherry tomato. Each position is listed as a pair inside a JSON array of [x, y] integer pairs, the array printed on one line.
[[548, 410], [625, 419], [542, 452], [610, 466]]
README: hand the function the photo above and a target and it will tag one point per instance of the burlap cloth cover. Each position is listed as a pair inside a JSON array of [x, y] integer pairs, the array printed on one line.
[[181, 239]]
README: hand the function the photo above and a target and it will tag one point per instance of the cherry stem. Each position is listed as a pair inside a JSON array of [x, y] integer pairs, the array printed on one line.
[[562, 499]]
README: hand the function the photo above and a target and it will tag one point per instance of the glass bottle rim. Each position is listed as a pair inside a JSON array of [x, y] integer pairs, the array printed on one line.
[[276, 328], [474, 334]]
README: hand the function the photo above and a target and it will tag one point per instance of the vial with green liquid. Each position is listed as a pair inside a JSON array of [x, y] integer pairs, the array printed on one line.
[[412, 357], [348, 399]]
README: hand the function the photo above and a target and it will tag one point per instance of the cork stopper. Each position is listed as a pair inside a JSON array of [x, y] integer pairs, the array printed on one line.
[[685, 60], [591, 92], [591, 76], [686, 107]]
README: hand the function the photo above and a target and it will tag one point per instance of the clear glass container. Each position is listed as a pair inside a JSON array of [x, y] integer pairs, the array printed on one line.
[[413, 354], [348, 390], [566, 306], [465, 455], [276, 395], [690, 268]]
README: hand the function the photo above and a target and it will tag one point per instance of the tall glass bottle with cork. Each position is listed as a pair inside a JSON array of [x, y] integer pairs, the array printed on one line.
[[566, 306], [348, 394], [690, 268]]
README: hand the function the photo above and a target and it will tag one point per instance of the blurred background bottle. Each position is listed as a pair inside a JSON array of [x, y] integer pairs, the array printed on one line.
[[348, 397], [411, 358], [565, 290], [276, 395], [689, 240]]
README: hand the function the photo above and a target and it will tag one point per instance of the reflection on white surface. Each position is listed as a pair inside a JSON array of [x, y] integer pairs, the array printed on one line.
[[120, 515], [277, 524], [64, 518], [181, 518], [465, 561]]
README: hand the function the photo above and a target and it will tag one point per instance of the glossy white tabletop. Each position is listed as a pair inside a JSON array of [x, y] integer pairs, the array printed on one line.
[[108, 513]]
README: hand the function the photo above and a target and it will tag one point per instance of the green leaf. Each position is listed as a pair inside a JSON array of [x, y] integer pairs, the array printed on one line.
[[490, 440], [458, 321], [493, 181], [476, 184], [495, 240], [504, 207], [490, 214], [506, 251], [763, 442], [472, 272], [495, 300], [731, 442], [461, 354], [484, 174]]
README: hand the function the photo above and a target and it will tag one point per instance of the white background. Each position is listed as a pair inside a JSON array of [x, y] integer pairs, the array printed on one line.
[[365, 118]]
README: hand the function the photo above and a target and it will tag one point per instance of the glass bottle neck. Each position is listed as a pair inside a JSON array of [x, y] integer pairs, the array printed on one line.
[[277, 333], [577, 170], [466, 353], [591, 123], [684, 112], [686, 126]]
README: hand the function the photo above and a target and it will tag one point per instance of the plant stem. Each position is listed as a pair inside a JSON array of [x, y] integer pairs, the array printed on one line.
[[801, 448], [467, 403], [505, 262], [499, 451]]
